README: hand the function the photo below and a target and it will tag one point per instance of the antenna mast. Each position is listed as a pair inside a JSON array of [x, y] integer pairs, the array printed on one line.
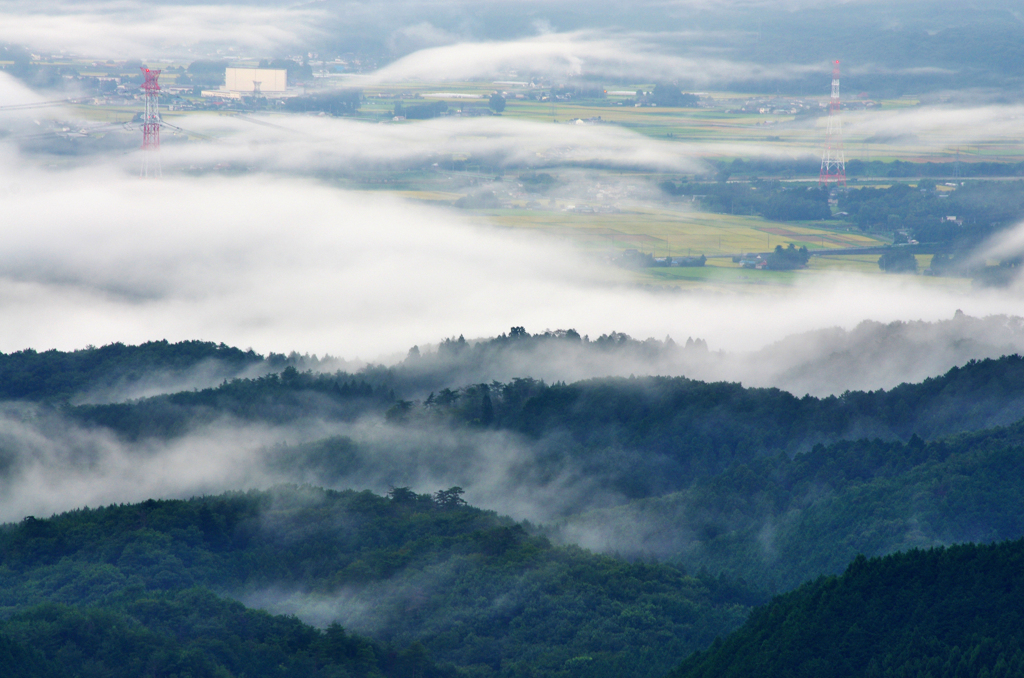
[[833, 163], [256, 94], [151, 125]]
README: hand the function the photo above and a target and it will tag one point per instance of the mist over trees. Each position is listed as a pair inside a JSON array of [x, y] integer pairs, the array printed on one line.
[[417, 560], [705, 498]]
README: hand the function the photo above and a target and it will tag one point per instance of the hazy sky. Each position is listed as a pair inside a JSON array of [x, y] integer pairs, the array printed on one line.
[[699, 41]]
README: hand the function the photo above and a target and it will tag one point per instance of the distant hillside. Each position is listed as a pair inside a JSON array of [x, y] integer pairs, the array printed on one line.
[[478, 592], [117, 371], [636, 437], [957, 611], [779, 521], [191, 633]]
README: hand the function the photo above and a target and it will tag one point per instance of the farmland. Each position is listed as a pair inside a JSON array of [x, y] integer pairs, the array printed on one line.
[[604, 209]]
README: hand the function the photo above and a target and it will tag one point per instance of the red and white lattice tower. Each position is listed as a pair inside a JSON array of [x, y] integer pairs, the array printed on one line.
[[833, 163], [151, 125]]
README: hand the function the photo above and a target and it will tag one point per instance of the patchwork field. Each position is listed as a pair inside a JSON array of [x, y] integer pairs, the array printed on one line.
[[665, 232]]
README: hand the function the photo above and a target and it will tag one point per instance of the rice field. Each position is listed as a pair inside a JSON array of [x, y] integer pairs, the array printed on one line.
[[664, 232]]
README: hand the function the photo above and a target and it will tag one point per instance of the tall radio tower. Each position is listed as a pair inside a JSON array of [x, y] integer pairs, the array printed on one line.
[[833, 164], [151, 125]]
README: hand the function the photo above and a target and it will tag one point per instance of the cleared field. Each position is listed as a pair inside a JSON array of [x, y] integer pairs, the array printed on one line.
[[722, 274], [729, 277], [664, 232]]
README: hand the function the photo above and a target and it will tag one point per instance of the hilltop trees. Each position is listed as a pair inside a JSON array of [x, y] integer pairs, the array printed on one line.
[[127, 589], [788, 258], [943, 612], [898, 261], [666, 94]]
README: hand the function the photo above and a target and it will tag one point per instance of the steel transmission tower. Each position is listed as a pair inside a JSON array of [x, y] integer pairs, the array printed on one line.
[[151, 125], [833, 163]]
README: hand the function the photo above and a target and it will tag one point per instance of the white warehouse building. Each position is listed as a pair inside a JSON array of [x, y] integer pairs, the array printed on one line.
[[239, 82]]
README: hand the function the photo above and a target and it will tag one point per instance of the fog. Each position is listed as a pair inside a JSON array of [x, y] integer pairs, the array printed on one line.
[[303, 144], [204, 374], [569, 55], [950, 128], [1005, 245], [310, 145], [128, 30], [692, 57], [822, 362], [94, 255], [50, 464]]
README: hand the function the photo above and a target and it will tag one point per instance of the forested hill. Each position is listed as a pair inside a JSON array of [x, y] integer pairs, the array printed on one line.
[[978, 395], [642, 437], [779, 521], [477, 591], [57, 376], [191, 634], [957, 611]]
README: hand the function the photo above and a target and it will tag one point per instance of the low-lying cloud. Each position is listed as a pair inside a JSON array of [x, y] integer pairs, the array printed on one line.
[[303, 144], [50, 464], [92, 256], [136, 30], [591, 54], [951, 128]]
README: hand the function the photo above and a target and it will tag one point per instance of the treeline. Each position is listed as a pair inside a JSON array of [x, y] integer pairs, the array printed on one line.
[[899, 169], [978, 208], [421, 111], [470, 589], [193, 633], [54, 376], [768, 199], [788, 258], [752, 168], [340, 102], [642, 436], [282, 397], [956, 611], [59, 375], [657, 433]]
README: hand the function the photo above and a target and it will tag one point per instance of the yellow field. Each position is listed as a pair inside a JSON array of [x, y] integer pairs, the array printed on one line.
[[664, 232]]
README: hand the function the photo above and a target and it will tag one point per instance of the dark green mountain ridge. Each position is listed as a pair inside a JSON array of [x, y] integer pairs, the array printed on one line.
[[191, 633], [476, 590], [778, 521], [638, 437], [956, 611]]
